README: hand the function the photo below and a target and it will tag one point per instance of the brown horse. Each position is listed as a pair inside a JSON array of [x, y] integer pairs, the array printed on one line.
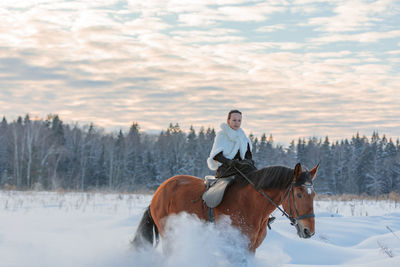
[[248, 202]]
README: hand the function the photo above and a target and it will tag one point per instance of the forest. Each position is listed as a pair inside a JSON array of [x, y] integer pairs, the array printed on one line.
[[48, 154]]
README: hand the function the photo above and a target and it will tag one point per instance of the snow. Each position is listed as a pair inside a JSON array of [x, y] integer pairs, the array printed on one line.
[[94, 229]]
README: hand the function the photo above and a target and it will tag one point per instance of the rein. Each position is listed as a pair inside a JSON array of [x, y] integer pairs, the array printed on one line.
[[288, 193], [292, 220]]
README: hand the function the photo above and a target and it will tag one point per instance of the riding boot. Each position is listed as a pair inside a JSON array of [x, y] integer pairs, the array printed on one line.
[[270, 220]]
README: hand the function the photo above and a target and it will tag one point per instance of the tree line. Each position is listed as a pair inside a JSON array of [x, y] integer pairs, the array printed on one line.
[[47, 154]]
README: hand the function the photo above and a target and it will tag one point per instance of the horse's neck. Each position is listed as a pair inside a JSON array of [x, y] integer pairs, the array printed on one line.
[[264, 205]]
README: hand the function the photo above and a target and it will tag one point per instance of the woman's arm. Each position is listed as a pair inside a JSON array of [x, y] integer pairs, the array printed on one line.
[[220, 158]]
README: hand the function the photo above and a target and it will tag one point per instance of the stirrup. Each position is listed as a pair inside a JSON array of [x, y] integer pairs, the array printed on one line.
[[270, 221]]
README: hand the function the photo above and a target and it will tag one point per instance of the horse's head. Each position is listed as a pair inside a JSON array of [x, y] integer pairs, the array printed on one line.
[[299, 201]]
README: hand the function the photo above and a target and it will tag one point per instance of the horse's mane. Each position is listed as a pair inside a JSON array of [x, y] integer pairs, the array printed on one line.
[[278, 177]]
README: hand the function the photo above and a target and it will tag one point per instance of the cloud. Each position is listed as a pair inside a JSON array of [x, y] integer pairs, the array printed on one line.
[[190, 62], [204, 15], [271, 28], [15, 69], [88, 83], [217, 35], [368, 37], [352, 16]]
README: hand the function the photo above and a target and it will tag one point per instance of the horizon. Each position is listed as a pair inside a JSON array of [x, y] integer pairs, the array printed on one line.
[[125, 130]]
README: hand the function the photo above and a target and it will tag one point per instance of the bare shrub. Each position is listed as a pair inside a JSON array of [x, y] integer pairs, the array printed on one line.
[[394, 196], [9, 187]]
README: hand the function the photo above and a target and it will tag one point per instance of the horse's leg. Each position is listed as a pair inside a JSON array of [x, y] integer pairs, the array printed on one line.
[[259, 235], [251, 220]]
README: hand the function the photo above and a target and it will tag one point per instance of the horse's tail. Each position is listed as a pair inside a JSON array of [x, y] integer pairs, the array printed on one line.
[[147, 233]]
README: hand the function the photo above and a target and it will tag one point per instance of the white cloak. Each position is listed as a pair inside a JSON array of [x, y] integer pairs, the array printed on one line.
[[228, 141]]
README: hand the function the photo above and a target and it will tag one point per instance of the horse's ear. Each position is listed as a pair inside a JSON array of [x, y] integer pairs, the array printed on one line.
[[297, 171], [314, 170]]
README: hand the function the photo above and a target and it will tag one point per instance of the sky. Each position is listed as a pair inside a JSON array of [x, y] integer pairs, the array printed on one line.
[[295, 69]]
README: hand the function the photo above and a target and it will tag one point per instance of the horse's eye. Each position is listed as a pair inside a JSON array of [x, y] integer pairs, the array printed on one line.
[[299, 195]]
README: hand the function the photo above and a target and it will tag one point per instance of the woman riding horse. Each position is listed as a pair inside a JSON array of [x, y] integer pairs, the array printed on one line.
[[248, 203], [232, 150]]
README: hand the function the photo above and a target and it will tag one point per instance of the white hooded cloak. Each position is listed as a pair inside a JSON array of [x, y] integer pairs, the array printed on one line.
[[229, 141]]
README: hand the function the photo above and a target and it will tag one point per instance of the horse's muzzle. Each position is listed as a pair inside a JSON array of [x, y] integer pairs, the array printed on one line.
[[303, 232], [307, 233]]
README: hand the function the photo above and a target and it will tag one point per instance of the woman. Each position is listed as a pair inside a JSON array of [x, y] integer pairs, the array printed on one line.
[[231, 148]]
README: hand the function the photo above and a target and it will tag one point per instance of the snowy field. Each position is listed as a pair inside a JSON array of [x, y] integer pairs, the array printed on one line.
[[94, 229]]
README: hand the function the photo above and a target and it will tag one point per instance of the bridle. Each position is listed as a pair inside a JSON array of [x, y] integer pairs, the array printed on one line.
[[288, 193]]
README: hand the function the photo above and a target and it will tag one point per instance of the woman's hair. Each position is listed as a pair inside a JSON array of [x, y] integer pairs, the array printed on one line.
[[233, 111]]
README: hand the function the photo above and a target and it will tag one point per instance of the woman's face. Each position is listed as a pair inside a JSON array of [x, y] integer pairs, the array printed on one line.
[[235, 121]]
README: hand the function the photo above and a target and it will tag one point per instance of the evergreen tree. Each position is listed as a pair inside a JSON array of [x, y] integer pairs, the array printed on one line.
[[301, 151], [191, 153], [4, 152], [203, 152], [177, 160], [100, 172], [119, 181], [134, 172], [16, 146], [57, 130], [326, 183], [359, 159], [368, 182], [388, 166], [161, 156], [345, 164], [260, 155], [290, 158], [208, 143]]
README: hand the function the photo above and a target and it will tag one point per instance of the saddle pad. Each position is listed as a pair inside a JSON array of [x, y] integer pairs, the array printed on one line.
[[213, 196]]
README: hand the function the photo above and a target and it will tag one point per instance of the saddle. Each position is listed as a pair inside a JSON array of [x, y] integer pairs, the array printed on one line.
[[215, 191]]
